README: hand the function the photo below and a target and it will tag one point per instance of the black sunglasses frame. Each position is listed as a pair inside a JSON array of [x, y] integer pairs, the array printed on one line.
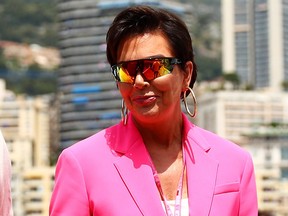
[[169, 63]]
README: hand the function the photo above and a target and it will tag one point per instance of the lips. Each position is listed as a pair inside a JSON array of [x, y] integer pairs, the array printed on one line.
[[144, 100]]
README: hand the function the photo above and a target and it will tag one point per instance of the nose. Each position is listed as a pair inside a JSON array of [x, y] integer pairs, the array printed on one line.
[[140, 82]]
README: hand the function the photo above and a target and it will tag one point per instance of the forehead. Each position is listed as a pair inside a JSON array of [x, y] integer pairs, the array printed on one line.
[[144, 46]]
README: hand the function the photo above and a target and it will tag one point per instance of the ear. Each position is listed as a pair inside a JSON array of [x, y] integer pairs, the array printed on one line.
[[187, 75]]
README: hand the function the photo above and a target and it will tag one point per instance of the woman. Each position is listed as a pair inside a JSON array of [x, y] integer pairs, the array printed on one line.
[[5, 177], [155, 162]]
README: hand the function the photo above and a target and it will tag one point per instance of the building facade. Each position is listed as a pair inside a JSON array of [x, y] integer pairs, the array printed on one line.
[[269, 149], [25, 125], [254, 45], [231, 114]]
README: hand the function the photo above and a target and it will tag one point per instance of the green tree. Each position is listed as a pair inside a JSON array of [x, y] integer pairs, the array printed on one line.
[[2, 60], [285, 85], [208, 68], [29, 21], [232, 77]]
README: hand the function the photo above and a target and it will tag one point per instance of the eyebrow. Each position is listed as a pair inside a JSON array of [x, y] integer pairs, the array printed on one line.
[[156, 56], [148, 57]]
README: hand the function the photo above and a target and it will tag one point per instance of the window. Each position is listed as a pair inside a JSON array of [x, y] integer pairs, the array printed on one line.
[[284, 173], [284, 153]]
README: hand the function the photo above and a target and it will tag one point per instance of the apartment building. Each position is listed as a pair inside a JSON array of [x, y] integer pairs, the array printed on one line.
[[37, 186], [254, 44], [25, 124], [234, 113], [268, 145]]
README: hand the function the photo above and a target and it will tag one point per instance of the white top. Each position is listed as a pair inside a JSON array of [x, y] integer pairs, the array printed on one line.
[[5, 177], [184, 206]]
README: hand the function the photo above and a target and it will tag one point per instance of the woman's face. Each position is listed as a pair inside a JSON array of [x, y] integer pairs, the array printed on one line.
[[158, 99]]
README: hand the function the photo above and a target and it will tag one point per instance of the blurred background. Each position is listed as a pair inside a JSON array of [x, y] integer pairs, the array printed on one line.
[[56, 87]]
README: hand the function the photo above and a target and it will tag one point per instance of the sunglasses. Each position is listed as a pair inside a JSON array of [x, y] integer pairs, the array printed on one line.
[[150, 68]]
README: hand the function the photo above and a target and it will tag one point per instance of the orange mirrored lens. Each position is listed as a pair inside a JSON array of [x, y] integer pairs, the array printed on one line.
[[149, 68]]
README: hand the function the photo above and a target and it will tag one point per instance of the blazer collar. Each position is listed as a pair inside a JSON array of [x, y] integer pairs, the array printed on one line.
[[122, 137], [201, 170], [136, 172], [134, 167]]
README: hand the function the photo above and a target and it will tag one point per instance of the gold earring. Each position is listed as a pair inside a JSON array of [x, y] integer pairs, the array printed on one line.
[[124, 112], [194, 103]]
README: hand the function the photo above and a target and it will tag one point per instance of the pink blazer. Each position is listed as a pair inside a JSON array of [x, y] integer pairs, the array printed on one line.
[[109, 174]]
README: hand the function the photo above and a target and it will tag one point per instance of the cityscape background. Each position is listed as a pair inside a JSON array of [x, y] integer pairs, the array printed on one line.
[[56, 87]]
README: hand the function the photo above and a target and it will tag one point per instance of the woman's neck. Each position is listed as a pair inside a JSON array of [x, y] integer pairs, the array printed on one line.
[[164, 134], [163, 141]]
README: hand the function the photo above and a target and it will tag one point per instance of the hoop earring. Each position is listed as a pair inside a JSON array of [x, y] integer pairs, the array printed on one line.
[[124, 112], [194, 103]]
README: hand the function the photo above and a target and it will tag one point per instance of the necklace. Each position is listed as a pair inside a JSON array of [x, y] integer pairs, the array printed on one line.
[[177, 211]]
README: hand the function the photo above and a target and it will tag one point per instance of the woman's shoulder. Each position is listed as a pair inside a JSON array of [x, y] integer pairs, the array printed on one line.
[[227, 153], [96, 144]]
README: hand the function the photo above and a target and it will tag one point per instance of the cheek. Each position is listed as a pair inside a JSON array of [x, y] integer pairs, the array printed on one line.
[[125, 91], [169, 85]]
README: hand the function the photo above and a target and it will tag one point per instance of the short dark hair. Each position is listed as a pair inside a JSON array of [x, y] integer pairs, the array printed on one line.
[[138, 20]]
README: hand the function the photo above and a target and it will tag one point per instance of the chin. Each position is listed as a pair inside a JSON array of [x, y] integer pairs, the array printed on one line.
[[147, 117]]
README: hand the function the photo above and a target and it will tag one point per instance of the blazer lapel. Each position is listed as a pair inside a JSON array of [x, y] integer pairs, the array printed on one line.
[[136, 173], [134, 167], [201, 183], [201, 172]]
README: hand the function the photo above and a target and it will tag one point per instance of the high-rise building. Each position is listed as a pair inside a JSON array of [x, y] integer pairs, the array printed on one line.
[[268, 146], [254, 41], [24, 122], [37, 183], [231, 114], [89, 98]]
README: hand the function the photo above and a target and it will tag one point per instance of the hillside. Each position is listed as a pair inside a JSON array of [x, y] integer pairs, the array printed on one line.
[[35, 22], [29, 21]]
